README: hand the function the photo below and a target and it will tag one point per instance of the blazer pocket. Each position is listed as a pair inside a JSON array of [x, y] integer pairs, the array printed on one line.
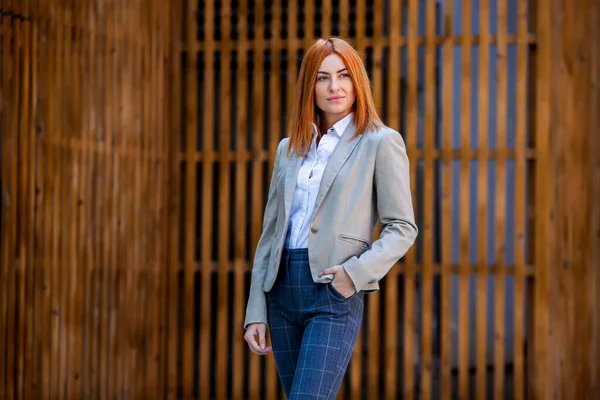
[[354, 240]]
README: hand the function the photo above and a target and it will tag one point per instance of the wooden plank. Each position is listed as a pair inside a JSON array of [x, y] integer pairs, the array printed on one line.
[[239, 345], [90, 320], [33, 360], [520, 201], [327, 19], [175, 201], [23, 198], [391, 282], [428, 227], [223, 213], [482, 199], [465, 236], [500, 211], [190, 200], [344, 19], [48, 83], [10, 210], [156, 285], [410, 258], [207, 188], [66, 213], [57, 198], [147, 126], [77, 260], [109, 256], [4, 226], [447, 211]]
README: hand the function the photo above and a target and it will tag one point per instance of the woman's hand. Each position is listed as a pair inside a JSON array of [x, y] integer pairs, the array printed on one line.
[[256, 337], [341, 280]]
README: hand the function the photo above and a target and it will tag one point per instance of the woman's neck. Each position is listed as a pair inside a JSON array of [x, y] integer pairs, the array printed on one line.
[[327, 121]]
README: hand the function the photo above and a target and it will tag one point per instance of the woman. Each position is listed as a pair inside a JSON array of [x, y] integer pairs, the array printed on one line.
[[339, 171]]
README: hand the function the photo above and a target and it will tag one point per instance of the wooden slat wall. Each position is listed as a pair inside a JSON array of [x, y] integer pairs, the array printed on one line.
[[138, 139], [84, 186], [384, 365]]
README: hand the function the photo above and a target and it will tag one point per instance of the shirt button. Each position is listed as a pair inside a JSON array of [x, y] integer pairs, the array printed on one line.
[[314, 229]]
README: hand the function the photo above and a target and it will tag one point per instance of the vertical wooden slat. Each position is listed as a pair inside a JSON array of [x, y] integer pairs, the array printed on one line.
[[119, 294], [207, 183], [4, 249], [68, 162], [224, 197], [411, 143], [109, 256], [520, 201], [175, 201], [28, 268], [465, 238], [391, 283], [36, 325], [428, 227], [90, 331], [10, 204], [344, 18], [500, 211], [447, 211], [327, 21], [239, 345], [56, 167], [77, 260], [257, 205], [482, 198], [191, 132], [48, 184], [143, 150], [157, 306], [93, 325]]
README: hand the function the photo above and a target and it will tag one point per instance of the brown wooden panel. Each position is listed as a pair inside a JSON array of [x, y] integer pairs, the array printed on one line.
[[446, 309], [409, 323], [482, 320], [520, 202], [500, 211], [464, 208]]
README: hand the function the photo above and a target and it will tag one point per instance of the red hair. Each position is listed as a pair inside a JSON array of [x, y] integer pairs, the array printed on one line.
[[305, 111]]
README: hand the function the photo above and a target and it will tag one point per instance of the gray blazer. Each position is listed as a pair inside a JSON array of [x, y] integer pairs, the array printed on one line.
[[365, 180]]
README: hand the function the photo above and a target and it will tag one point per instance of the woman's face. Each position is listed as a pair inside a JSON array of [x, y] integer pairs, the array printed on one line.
[[334, 91]]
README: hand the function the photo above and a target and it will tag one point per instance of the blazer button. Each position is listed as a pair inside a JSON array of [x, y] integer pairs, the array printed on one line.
[[314, 229]]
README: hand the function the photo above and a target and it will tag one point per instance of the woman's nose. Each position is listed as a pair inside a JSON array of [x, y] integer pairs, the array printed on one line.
[[334, 85]]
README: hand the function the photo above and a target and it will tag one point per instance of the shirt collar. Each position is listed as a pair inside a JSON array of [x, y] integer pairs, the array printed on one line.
[[340, 126]]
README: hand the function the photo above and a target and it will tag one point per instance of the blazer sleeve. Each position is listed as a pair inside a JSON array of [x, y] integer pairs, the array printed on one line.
[[395, 210], [256, 309]]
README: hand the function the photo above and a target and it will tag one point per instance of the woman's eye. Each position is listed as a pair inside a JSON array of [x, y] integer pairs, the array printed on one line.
[[345, 75], [322, 78]]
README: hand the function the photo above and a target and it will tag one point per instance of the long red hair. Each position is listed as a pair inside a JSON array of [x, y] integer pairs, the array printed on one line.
[[304, 111]]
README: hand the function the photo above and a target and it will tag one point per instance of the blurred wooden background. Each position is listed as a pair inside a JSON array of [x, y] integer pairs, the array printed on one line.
[[137, 140]]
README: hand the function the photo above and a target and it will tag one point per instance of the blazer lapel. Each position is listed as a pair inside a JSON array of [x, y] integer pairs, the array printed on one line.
[[291, 176], [336, 161]]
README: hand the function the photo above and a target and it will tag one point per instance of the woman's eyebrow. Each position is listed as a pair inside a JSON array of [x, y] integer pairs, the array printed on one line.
[[327, 73]]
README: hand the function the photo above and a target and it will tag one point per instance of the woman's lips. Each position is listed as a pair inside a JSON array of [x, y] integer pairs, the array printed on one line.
[[335, 98]]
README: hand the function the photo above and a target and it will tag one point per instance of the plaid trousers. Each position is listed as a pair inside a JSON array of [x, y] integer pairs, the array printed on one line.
[[313, 330]]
